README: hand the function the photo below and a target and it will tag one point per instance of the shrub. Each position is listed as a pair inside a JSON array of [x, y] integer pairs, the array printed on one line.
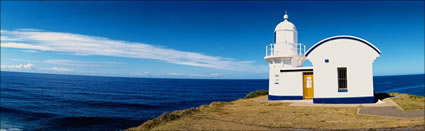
[[256, 93]]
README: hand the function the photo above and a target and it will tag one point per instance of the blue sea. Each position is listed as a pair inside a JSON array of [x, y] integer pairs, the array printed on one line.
[[32, 101]]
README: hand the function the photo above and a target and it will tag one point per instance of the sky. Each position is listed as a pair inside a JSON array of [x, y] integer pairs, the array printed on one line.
[[189, 39]]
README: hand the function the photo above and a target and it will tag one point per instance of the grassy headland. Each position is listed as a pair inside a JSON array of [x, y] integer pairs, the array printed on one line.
[[408, 102], [248, 114]]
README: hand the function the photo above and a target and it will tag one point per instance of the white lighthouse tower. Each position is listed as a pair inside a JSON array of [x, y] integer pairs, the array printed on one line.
[[284, 54]]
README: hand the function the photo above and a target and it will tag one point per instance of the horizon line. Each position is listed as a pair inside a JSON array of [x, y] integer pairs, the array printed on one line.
[[48, 73]]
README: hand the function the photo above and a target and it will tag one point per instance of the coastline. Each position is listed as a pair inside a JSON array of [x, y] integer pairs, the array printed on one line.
[[249, 114]]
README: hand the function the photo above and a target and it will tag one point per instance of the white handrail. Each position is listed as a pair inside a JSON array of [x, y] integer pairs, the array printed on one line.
[[300, 49], [267, 47]]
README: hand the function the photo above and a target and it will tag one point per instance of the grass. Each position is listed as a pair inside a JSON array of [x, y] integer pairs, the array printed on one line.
[[248, 114], [167, 117], [408, 102], [255, 94]]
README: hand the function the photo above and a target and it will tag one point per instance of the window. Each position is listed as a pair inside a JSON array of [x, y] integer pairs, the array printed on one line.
[[342, 79]]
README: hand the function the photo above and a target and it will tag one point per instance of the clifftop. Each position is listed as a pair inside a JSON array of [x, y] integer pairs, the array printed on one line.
[[249, 114]]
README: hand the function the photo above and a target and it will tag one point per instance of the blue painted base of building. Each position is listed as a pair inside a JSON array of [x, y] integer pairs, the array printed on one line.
[[345, 100], [273, 97]]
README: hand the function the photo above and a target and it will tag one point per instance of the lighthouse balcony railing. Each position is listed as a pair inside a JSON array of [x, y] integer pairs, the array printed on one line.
[[270, 50]]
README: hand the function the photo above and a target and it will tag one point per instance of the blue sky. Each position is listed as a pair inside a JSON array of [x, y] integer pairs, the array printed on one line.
[[196, 39]]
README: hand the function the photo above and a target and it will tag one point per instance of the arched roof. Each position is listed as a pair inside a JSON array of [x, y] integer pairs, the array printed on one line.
[[285, 24], [342, 37]]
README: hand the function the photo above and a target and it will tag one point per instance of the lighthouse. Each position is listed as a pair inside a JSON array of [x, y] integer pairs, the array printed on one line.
[[285, 57], [342, 68]]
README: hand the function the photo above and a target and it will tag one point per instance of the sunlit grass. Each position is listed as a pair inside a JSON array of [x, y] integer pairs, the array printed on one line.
[[409, 102], [247, 114]]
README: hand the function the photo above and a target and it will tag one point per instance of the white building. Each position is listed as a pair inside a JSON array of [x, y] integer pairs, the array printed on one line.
[[341, 72]]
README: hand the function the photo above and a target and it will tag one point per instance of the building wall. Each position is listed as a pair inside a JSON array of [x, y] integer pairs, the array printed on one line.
[[357, 57], [359, 80], [290, 84]]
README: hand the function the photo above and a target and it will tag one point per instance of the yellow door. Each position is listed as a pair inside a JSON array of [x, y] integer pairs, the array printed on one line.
[[308, 86]]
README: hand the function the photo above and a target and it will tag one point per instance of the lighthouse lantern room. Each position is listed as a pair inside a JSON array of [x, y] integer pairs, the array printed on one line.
[[285, 51]]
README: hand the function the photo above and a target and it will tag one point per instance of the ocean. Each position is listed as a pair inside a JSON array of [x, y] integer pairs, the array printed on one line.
[[32, 101]]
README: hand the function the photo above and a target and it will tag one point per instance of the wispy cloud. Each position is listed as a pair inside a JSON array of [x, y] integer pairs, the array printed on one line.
[[68, 62], [23, 46], [204, 75], [17, 67], [91, 45], [140, 74], [77, 63], [176, 74], [193, 74], [24, 60], [58, 69], [5, 38], [30, 51]]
